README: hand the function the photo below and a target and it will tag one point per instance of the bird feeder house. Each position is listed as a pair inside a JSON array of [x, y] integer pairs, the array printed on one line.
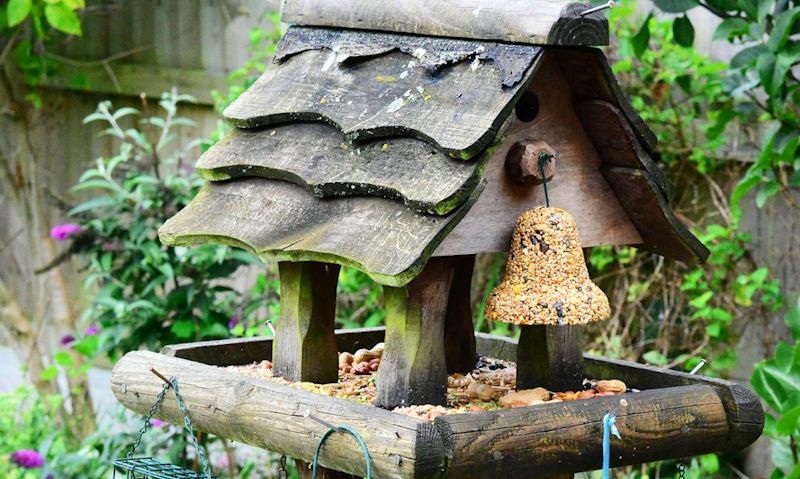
[[402, 138]]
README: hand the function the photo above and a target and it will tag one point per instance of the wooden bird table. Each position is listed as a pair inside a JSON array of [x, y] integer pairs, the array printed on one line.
[[675, 415]]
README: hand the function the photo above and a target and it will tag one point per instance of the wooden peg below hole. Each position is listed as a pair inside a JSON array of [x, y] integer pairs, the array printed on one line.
[[522, 162]]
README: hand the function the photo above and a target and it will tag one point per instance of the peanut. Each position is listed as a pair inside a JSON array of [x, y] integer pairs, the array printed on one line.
[[345, 359], [612, 385]]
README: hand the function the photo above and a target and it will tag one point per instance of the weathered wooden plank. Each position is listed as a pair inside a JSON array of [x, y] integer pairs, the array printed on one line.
[[661, 231], [433, 53], [413, 367], [616, 142], [743, 408], [458, 108], [567, 437], [239, 351], [550, 357], [589, 76], [317, 156], [270, 416], [459, 332], [577, 185], [305, 346], [517, 21], [280, 221]]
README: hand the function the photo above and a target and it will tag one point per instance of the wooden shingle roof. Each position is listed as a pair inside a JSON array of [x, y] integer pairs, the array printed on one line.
[[378, 150]]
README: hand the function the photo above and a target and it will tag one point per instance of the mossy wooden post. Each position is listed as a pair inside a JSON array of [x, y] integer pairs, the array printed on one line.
[[550, 357], [459, 332], [305, 346], [413, 368]]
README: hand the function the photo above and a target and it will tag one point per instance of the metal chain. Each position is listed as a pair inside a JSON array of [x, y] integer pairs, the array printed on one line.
[[681, 470], [146, 425], [282, 473], [187, 424]]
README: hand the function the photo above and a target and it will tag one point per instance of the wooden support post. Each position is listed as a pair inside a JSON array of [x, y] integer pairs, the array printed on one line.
[[550, 357], [459, 332], [305, 347], [413, 368]]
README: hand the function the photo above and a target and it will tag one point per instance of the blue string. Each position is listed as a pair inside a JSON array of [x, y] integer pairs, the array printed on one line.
[[354, 434], [544, 158], [609, 428]]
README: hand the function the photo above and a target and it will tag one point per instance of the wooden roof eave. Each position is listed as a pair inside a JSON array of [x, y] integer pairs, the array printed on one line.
[[317, 157], [393, 93], [590, 77], [661, 231], [279, 221]]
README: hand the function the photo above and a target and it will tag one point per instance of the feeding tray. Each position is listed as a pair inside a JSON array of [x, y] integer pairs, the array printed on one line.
[[675, 415]]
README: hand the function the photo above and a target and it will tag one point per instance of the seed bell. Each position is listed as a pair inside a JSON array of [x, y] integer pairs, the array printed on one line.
[[546, 281]]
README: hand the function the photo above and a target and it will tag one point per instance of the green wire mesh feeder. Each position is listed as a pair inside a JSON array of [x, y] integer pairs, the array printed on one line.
[[148, 467]]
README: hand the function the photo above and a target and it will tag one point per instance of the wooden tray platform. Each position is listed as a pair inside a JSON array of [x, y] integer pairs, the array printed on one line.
[[676, 415]]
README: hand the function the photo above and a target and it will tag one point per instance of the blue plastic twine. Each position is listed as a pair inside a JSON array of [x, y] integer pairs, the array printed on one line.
[[355, 435], [609, 428]]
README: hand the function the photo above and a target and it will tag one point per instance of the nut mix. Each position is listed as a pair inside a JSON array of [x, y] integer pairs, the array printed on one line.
[[488, 387], [546, 280]]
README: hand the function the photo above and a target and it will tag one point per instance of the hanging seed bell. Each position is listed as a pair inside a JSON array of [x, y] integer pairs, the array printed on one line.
[[546, 280]]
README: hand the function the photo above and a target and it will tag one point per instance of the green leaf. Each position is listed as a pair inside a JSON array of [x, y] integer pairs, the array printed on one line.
[[183, 329], [675, 6], [98, 202], [641, 41], [788, 422], [655, 357], [782, 28], [702, 300], [64, 358], [62, 18], [747, 56], [730, 27], [49, 373], [766, 191], [683, 31], [17, 11]]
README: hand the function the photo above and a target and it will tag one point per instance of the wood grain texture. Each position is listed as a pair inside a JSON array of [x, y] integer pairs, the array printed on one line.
[[305, 346], [578, 186], [413, 367], [617, 143], [433, 53], [744, 415], [590, 77], [517, 21], [550, 357], [458, 108], [279, 221], [270, 416], [459, 331], [567, 436], [304, 471], [239, 351], [661, 231], [317, 157]]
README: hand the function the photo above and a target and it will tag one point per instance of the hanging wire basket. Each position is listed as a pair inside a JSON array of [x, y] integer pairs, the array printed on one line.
[[147, 467]]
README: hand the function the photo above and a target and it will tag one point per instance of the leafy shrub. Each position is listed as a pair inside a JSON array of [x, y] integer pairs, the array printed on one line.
[[149, 294]]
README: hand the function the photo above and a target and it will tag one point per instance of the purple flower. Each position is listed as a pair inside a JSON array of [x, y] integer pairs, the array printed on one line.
[[67, 339], [92, 330], [49, 476], [64, 232], [155, 422], [27, 458], [233, 322]]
